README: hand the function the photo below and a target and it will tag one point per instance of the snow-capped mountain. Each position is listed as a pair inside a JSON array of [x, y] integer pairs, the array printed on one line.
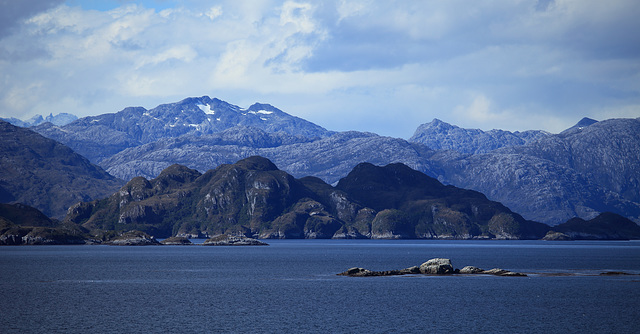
[[99, 137]]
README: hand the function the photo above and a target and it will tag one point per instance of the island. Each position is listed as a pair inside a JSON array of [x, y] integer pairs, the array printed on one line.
[[436, 266]]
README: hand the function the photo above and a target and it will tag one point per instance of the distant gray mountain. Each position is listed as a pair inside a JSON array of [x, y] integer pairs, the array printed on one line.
[[100, 137], [606, 152], [439, 135], [59, 120], [329, 158], [587, 169], [537, 188]]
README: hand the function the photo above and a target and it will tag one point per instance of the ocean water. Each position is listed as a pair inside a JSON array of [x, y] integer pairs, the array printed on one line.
[[291, 286]]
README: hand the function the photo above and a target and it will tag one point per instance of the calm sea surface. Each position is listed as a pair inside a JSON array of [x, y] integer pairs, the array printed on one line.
[[291, 286]]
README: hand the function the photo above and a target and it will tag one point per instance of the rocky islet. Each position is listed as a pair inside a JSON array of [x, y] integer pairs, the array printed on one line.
[[435, 266]]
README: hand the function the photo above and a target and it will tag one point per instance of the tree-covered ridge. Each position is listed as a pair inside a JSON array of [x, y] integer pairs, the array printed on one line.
[[254, 198]]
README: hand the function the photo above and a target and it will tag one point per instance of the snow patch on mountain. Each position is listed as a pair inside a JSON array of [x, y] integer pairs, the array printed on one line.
[[206, 108], [264, 112]]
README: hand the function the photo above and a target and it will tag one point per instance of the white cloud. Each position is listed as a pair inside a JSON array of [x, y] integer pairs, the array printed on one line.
[[381, 66], [214, 12], [478, 111], [349, 8]]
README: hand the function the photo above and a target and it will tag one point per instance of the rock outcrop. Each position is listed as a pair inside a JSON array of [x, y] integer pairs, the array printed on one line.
[[175, 241], [232, 240], [24, 225], [133, 238], [40, 236], [437, 266], [556, 236]]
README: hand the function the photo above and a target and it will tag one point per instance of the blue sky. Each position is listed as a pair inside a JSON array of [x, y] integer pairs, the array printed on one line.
[[378, 66]]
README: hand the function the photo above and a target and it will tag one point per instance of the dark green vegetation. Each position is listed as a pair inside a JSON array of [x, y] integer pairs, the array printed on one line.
[[253, 198], [47, 175], [606, 226], [24, 225]]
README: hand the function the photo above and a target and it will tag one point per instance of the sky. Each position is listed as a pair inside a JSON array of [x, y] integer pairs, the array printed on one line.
[[376, 66]]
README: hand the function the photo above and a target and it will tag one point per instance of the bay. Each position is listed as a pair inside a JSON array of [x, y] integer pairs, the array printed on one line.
[[291, 286]]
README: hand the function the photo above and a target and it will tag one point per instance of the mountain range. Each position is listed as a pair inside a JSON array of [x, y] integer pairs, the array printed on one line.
[[581, 172], [100, 137], [59, 120], [254, 198]]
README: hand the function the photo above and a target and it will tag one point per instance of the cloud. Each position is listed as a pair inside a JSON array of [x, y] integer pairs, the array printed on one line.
[[380, 66], [12, 13]]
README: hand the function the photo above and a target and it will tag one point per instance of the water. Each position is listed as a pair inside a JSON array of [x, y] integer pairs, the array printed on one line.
[[291, 286]]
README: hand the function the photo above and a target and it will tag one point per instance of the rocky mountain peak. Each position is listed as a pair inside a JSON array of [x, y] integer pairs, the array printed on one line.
[[583, 123], [257, 163], [257, 107], [439, 135], [102, 136], [373, 185], [177, 174]]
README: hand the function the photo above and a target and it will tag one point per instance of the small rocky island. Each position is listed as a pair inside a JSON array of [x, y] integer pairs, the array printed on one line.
[[139, 238], [233, 240], [437, 266], [133, 238], [176, 241]]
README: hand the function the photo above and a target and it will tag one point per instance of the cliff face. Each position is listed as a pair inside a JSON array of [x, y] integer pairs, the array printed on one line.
[[254, 198]]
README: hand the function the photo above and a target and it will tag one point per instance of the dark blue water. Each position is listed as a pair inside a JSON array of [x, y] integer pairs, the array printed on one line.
[[291, 286]]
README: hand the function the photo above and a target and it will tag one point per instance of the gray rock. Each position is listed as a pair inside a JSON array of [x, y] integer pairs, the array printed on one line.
[[502, 272], [471, 270], [356, 272], [437, 266], [361, 272]]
